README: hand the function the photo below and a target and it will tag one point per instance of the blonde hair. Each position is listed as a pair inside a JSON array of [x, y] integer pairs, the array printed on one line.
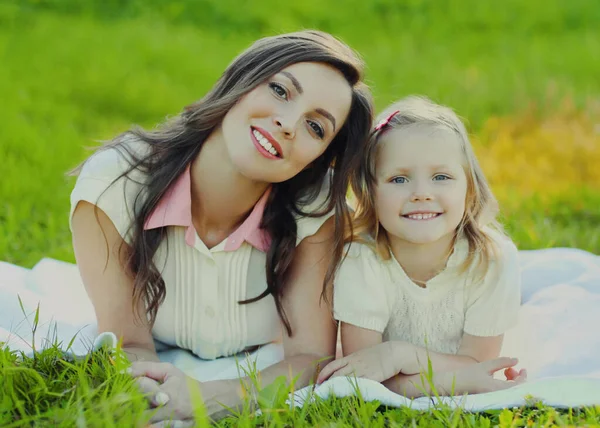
[[481, 207]]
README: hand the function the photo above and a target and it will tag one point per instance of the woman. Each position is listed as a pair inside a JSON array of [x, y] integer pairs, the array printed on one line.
[[173, 228]]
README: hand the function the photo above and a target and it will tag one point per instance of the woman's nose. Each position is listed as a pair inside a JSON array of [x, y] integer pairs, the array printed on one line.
[[286, 125]]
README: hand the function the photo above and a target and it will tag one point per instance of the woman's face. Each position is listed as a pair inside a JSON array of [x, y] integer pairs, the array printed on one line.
[[280, 127]]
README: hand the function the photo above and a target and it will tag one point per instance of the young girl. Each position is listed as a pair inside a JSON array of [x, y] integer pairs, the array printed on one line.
[[430, 273]]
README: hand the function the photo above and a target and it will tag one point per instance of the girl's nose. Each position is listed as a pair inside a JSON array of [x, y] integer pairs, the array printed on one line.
[[421, 195]]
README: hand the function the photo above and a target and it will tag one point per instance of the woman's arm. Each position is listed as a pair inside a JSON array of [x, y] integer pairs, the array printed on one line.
[[96, 244], [312, 343]]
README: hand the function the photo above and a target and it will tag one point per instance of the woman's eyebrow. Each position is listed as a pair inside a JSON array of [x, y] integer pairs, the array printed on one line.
[[298, 87], [327, 115], [295, 82]]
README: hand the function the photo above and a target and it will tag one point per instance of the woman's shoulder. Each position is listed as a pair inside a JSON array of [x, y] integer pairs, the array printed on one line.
[[108, 181], [315, 200], [112, 161], [308, 222]]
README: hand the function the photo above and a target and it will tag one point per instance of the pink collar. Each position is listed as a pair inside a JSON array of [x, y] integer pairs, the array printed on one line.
[[175, 209]]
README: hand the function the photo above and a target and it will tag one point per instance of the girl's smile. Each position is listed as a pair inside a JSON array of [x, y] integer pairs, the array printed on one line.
[[422, 215]]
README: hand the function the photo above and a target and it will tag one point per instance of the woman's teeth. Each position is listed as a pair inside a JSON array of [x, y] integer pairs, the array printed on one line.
[[264, 143], [422, 216]]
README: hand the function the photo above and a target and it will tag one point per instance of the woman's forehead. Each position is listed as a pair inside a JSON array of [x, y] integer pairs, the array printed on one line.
[[321, 85]]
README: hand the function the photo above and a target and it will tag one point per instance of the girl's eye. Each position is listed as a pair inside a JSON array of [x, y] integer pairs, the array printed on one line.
[[318, 129], [279, 90], [441, 177], [399, 180]]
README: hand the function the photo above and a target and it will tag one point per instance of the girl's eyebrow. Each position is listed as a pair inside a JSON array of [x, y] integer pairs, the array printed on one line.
[[397, 170], [442, 166]]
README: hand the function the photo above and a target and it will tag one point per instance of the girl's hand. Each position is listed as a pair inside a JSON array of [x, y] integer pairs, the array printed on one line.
[[512, 374], [377, 363], [479, 378], [168, 390]]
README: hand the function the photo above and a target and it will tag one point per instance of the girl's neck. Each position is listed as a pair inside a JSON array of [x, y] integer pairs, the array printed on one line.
[[222, 198], [422, 262]]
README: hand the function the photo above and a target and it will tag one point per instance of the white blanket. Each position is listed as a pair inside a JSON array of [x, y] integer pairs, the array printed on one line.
[[557, 338]]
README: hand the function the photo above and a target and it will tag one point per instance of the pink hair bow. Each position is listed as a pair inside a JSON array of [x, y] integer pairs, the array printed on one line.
[[385, 121]]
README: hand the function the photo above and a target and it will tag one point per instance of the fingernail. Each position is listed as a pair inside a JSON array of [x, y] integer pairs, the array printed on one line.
[[161, 398]]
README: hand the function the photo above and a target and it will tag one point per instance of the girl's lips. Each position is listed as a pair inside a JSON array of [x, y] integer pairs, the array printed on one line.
[[421, 215]]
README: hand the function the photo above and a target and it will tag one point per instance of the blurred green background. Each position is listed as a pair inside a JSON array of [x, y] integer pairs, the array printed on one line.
[[524, 74]]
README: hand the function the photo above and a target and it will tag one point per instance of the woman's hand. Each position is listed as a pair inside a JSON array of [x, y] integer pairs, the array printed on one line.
[[168, 390], [378, 363]]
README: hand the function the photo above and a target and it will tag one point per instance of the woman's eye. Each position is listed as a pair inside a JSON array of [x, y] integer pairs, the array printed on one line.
[[440, 177], [399, 180], [279, 90], [318, 129]]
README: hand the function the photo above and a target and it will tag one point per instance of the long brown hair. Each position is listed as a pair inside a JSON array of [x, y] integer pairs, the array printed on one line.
[[177, 142], [481, 207]]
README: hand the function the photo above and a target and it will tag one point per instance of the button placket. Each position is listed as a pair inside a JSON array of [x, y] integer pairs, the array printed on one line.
[[210, 304]]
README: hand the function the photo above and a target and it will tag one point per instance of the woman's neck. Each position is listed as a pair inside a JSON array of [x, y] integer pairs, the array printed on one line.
[[422, 262], [221, 197]]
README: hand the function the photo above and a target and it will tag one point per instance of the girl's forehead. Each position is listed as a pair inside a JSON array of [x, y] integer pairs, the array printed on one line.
[[420, 145]]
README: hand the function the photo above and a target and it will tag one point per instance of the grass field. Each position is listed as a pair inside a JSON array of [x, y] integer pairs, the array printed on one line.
[[523, 73]]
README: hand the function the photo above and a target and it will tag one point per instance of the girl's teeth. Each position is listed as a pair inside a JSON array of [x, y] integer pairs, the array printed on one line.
[[264, 143], [421, 216]]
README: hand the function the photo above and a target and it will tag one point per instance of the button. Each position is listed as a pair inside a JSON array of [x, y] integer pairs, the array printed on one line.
[[209, 311]]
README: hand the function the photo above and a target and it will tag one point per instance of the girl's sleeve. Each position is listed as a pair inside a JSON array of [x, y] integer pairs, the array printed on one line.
[[361, 294], [493, 306]]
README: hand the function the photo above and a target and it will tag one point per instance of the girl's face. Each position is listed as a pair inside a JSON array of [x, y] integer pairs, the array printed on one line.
[[279, 128], [421, 184]]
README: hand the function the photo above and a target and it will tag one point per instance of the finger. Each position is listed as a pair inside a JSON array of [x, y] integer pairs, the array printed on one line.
[[521, 378], [151, 389], [330, 369], [510, 373], [165, 415], [173, 424], [492, 366], [498, 385], [347, 370], [151, 369]]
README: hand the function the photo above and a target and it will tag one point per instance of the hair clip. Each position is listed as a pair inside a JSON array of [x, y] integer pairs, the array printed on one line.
[[385, 121]]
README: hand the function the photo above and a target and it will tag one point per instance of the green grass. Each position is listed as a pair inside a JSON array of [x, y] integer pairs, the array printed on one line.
[[75, 72], [53, 389]]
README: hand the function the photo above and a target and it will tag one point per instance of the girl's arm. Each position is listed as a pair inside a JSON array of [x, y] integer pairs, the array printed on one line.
[[367, 356], [312, 343], [473, 350]]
